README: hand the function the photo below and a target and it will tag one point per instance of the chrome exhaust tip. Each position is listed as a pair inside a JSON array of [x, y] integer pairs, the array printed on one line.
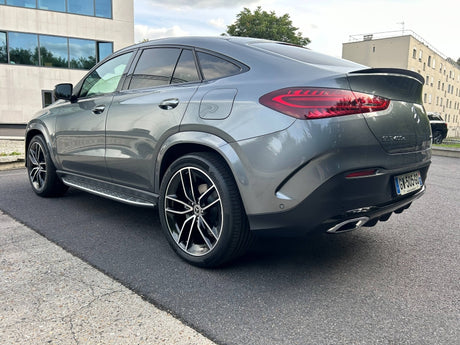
[[348, 225]]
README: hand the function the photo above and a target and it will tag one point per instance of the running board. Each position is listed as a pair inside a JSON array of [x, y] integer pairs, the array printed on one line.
[[109, 190]]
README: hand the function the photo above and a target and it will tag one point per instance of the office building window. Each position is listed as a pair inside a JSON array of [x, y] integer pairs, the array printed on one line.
[[429, 61], [98, 8], [434, 63], [414, 53], [104, 49], [85, 7], [47, 98], [82, 53], [53, 51], [103, 8], [22, 3], [23, 48], [3, 51], [52, 5]]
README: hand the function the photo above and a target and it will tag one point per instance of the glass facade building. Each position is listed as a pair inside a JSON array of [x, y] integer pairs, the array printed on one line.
[[47, 42]]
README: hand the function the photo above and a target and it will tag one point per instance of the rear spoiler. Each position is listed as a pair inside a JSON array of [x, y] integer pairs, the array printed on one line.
[[399, 71]]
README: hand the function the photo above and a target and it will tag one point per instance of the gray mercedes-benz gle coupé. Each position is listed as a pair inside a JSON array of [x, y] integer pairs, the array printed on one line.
[[227, 136]]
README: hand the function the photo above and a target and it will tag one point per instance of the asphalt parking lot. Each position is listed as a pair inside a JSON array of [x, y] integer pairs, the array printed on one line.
[[397, 283]]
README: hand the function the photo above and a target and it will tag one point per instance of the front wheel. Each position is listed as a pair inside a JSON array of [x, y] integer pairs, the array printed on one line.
[[201, 211], [41, 170]]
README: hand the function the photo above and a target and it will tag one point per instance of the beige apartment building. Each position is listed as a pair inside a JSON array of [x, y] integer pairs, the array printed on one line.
[[441, 92], [46, 42]]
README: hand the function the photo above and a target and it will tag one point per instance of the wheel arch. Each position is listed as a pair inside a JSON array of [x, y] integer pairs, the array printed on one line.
[[37, 128], [184, 143]]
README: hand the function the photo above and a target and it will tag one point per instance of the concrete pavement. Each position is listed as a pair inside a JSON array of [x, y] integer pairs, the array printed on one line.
[[48, 296]]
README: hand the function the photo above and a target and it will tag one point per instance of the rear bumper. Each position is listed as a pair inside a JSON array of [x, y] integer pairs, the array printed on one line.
[[341, 199]]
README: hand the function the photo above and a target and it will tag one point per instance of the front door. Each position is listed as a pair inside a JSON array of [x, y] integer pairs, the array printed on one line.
[[80, 126]]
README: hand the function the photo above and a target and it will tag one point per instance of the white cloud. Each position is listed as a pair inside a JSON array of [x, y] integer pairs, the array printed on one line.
[[202, 3], [218, 23], [142, 32]]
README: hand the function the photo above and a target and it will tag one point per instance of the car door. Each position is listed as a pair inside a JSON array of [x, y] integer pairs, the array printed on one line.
[[80, 125], [150, 107]]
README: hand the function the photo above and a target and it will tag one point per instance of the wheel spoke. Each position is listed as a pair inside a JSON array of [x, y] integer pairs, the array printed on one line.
[[191, 199], [211, 204], [205, 193], [206, 240], [187, 207], [209, 228], [183, 227], [190, 233]]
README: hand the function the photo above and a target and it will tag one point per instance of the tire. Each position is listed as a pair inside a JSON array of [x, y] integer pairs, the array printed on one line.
[[201, 211], [437, 137], [41, 170]]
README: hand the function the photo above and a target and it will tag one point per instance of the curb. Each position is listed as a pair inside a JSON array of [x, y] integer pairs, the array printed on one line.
[[445, 152]]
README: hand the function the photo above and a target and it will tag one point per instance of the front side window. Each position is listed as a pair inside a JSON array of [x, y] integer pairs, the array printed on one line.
[[82, 53], [3, 51], [85, 7], [52, 5], [23, 48], [53, 51], [214, 67], [155, 68], [106, 77]]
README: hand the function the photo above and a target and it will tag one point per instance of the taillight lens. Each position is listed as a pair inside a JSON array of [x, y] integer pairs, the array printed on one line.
[[316, 103]]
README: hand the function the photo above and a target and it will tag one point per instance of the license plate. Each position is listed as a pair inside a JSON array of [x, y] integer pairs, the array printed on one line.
[[408, 182]]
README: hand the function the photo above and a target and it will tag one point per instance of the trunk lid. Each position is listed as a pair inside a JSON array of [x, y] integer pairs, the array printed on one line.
[[404, 126]]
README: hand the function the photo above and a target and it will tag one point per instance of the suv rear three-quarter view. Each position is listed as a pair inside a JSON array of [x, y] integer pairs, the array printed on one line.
[[227, 136]]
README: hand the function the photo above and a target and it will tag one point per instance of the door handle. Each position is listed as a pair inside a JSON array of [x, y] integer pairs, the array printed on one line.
[[98, 109], [169, 104]]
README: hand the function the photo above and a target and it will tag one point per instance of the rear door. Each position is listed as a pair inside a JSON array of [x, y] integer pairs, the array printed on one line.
[[151, 106]]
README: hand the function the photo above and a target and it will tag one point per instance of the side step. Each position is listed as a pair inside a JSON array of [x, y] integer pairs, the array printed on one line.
[[109, 190]]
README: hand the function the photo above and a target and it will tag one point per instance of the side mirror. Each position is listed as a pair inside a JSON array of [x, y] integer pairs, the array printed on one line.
[[63, 91]]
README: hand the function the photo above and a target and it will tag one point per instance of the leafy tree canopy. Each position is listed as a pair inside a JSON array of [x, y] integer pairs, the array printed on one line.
[[262, 24]]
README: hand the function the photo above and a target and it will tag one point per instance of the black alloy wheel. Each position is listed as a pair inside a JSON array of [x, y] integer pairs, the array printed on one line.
[[201, 211], [41, 170]]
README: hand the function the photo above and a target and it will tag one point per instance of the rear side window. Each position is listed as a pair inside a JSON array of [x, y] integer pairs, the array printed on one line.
[[154, 68], [185, 71], [214, 67]]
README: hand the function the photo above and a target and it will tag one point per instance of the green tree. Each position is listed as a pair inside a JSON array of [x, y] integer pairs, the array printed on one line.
[[262, 24]]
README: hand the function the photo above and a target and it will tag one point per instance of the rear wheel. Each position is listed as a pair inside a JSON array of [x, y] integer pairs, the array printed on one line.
[[437, 137], [201, 211], [41, 170]]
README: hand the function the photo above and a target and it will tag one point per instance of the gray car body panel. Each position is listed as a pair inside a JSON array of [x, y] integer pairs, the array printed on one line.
[[277, 161]]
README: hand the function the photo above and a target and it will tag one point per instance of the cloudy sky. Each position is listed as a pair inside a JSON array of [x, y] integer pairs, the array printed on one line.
[[328, 23]]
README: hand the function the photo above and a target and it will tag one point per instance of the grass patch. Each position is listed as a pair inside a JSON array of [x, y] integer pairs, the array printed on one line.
[[454, 146], [14, 153]]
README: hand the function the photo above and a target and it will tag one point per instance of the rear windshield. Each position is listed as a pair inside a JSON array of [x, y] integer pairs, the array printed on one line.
[[303, 54]]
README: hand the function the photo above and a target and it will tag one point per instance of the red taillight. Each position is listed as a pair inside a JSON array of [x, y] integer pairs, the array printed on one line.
[[362, 173], [315, 103]]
